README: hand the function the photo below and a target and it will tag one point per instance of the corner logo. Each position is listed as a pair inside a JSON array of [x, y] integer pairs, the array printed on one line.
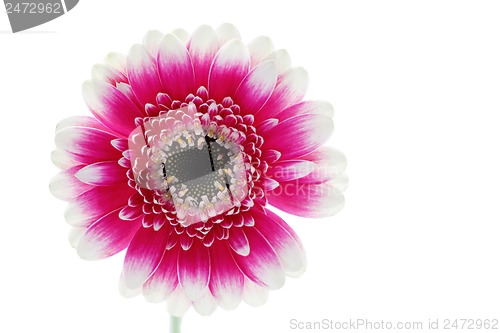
[[25, 14]]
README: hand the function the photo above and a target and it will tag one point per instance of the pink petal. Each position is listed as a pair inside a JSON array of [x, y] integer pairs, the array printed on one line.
[[164, 280], [181, 34], [175, 68], [178, 303], [126, 291], [290, 170], [238, 240], [82, 121], [322, 199], [229, 67], [262, 265], [143, 74], [288, 247], [290, 89], [202, 47], [103, 173], [256, 87], [131, 213], [151, 41], [253, 294], [127, 90], [87, 145], [66, 186], [95, 203], [266, 125], [270, 155], [116, 60], [226, 280], [63, 160], [259, 48], [107, 236], [120, 144], [108, 74], [75, 234], [111, 107], [226, 32], [305, 133], [331, 165], [144, 255], [306, 107], [206, 305], [194, 270], [268, 184], [282, 60], [284, 225]]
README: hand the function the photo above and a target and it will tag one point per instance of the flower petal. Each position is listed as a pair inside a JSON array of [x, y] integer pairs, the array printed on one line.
[[131, 213], [229, 67], [288, 247], [194, 270], [331, 164], [290, 170], [262, 265], [164, 280], [306, 133], [270, 155], [151, 41], [266, 125], [206, 305], [125, 291], [111, 107], [256, 87], [63, 160], [103, 173], [259, 48], [178, 303], [95, 203], [144, 255], [268, 184], [175, 68], [66, 186], [143, 74], [238, 240], [253, 294], [81, 121], [182, 34], [75, 234], [306, 107], [107, 236], [322, 199], [282, 60], [226, 280], [226, 32], [108, 74], [290, 89], [116, 60], [86, 145], [202, 47]]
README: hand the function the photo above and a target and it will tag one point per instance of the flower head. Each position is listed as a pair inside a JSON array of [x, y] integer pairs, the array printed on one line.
[[192, 139]]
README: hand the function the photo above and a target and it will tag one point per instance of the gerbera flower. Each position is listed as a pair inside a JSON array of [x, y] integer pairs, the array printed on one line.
[[191, 141]]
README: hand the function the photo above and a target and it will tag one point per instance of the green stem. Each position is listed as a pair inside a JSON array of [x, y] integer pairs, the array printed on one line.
[[175, 324]]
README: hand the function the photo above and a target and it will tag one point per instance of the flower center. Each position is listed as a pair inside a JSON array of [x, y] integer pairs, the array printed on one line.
[[192, 162]]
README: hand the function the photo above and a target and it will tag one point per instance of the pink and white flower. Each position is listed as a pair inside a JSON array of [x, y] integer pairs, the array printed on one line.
[[191, 139]]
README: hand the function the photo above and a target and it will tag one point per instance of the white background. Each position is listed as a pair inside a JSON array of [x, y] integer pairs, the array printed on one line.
[[415, 86]]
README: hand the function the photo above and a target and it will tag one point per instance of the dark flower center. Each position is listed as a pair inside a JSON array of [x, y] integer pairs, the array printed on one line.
[[196, 166], [199, 169]]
